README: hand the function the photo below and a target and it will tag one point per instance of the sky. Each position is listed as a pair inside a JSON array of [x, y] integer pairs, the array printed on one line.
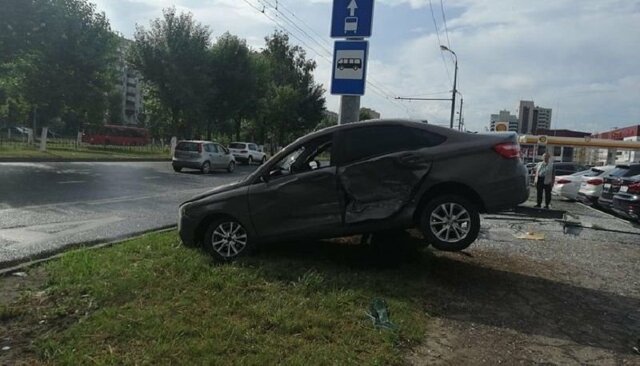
[[579, 57]]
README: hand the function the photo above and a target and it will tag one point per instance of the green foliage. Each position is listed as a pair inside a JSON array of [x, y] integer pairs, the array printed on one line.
[[172, 56], [61, 56]]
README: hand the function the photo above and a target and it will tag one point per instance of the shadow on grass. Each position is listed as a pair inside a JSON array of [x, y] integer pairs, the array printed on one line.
[[451, 286]]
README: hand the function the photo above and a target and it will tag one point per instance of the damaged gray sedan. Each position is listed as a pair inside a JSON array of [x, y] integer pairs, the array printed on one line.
[[362, 178]]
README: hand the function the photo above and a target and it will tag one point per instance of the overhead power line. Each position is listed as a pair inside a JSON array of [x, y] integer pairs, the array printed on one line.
[[435, 24], [446, 30], [264, 6]]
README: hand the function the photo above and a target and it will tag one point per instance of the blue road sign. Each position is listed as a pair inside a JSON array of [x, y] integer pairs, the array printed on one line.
[[351, 18], [349, 67]]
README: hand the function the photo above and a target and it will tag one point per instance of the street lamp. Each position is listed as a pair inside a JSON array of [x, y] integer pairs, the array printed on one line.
[[455, 77]]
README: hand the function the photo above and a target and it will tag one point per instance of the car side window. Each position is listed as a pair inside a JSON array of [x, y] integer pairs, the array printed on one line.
[[253, 147], [366, 142], [222, 149], [315, 154], [213, 148]]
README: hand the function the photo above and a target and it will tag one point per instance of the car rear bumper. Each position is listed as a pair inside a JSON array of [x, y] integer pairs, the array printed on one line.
[[180, 163], [627, 207], [507, 193], [587, 199]]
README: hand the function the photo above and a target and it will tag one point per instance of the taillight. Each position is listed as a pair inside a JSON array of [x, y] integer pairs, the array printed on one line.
[[563, 181], [199, 148], [634, 188], [594, 182], [508, 150]]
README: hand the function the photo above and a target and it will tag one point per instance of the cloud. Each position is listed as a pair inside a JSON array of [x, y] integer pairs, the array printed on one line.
[[578, 57]]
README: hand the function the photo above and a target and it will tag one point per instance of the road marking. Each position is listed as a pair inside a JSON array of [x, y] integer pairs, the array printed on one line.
[[72, 182]]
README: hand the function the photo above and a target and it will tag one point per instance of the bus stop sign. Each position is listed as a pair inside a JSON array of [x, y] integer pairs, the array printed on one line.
[[349, 67], [351, 18]]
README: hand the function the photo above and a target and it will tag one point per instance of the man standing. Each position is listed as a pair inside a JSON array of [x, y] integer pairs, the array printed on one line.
[[544, 180]]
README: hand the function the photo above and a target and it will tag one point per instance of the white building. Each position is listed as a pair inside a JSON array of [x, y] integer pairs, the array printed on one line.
[[131, 86], [504, 116]]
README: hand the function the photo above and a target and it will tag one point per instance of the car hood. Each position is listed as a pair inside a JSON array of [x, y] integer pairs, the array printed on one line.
[[217, 190]]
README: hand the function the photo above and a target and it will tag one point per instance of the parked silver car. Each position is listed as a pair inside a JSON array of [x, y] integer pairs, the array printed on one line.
[[202, 155]]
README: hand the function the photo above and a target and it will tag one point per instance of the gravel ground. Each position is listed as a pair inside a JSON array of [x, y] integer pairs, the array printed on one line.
[[572, 298]]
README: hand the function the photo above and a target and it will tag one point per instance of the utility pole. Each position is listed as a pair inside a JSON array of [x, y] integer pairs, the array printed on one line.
[[455, 79], [460, 115]]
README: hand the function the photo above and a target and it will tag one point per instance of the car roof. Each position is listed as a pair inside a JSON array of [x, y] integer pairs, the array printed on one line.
[[389, 122], [242, 142], [197, 141]]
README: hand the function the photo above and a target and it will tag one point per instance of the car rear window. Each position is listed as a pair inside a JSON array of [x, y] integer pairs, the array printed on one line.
[[366, 142], [594, 172], [236, 145], [619, 171], [187, 146]]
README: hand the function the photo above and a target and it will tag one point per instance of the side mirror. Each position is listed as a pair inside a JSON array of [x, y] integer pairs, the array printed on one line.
[[314, 165]]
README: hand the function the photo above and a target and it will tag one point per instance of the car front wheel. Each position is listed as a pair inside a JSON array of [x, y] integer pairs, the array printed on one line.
[[206, 168], [450, 223], [250, 161], [227, 240]]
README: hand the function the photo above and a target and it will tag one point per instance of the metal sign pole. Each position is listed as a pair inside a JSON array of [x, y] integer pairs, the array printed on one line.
[[349, 109]]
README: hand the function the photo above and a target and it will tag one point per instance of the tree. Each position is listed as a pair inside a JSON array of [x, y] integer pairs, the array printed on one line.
[[295, 103], [233, 77], [64, 52], [172, 56]]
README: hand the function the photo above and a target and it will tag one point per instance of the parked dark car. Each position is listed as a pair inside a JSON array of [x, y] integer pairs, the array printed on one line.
[[613, 181], [362, 178], [626, 202]]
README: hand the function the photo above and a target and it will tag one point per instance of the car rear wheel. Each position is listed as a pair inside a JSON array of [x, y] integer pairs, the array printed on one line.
[[177, 169], [206, 168], [226, 240], [231, 167], [264, 160], [250, 161], [450, 223]]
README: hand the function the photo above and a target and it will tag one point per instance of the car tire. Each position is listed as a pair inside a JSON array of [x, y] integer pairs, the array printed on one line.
[[231, 167], [227, 240], [264, 160], [177, 169], [250, 160], [450, 223], [205, 168]]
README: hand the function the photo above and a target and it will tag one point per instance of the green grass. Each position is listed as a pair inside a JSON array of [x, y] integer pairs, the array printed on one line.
[[152, 301], [82, 153]]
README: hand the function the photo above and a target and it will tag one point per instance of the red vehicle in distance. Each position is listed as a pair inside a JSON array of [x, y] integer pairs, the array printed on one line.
[[117, 135]]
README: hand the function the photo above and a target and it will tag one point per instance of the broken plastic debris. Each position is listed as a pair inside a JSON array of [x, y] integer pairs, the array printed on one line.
[[379, 314], [530, 235], [20, 274], [6, 348]]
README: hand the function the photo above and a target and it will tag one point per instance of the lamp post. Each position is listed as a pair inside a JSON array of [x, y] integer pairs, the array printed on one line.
[[455, 78]]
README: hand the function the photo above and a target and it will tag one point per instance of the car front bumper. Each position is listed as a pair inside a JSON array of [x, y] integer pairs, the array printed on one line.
[[187, 227]]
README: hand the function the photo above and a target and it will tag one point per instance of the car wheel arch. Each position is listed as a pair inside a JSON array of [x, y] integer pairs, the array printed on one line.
[[448, 188]]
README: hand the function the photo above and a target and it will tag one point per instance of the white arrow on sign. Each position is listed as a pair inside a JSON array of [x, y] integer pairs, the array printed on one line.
[[352, 7]]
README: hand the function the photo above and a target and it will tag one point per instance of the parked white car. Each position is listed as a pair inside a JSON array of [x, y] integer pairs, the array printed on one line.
[[591, 185], [567, 186], [247, 152]]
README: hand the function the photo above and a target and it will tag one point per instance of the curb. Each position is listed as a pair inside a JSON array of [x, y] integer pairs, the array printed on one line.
[[79, 160], [9, 267]]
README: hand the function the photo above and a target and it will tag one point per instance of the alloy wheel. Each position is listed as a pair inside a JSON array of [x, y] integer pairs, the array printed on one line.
[[450, 222]]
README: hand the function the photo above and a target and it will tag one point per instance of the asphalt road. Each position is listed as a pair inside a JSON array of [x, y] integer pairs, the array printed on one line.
[[47, 206]]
